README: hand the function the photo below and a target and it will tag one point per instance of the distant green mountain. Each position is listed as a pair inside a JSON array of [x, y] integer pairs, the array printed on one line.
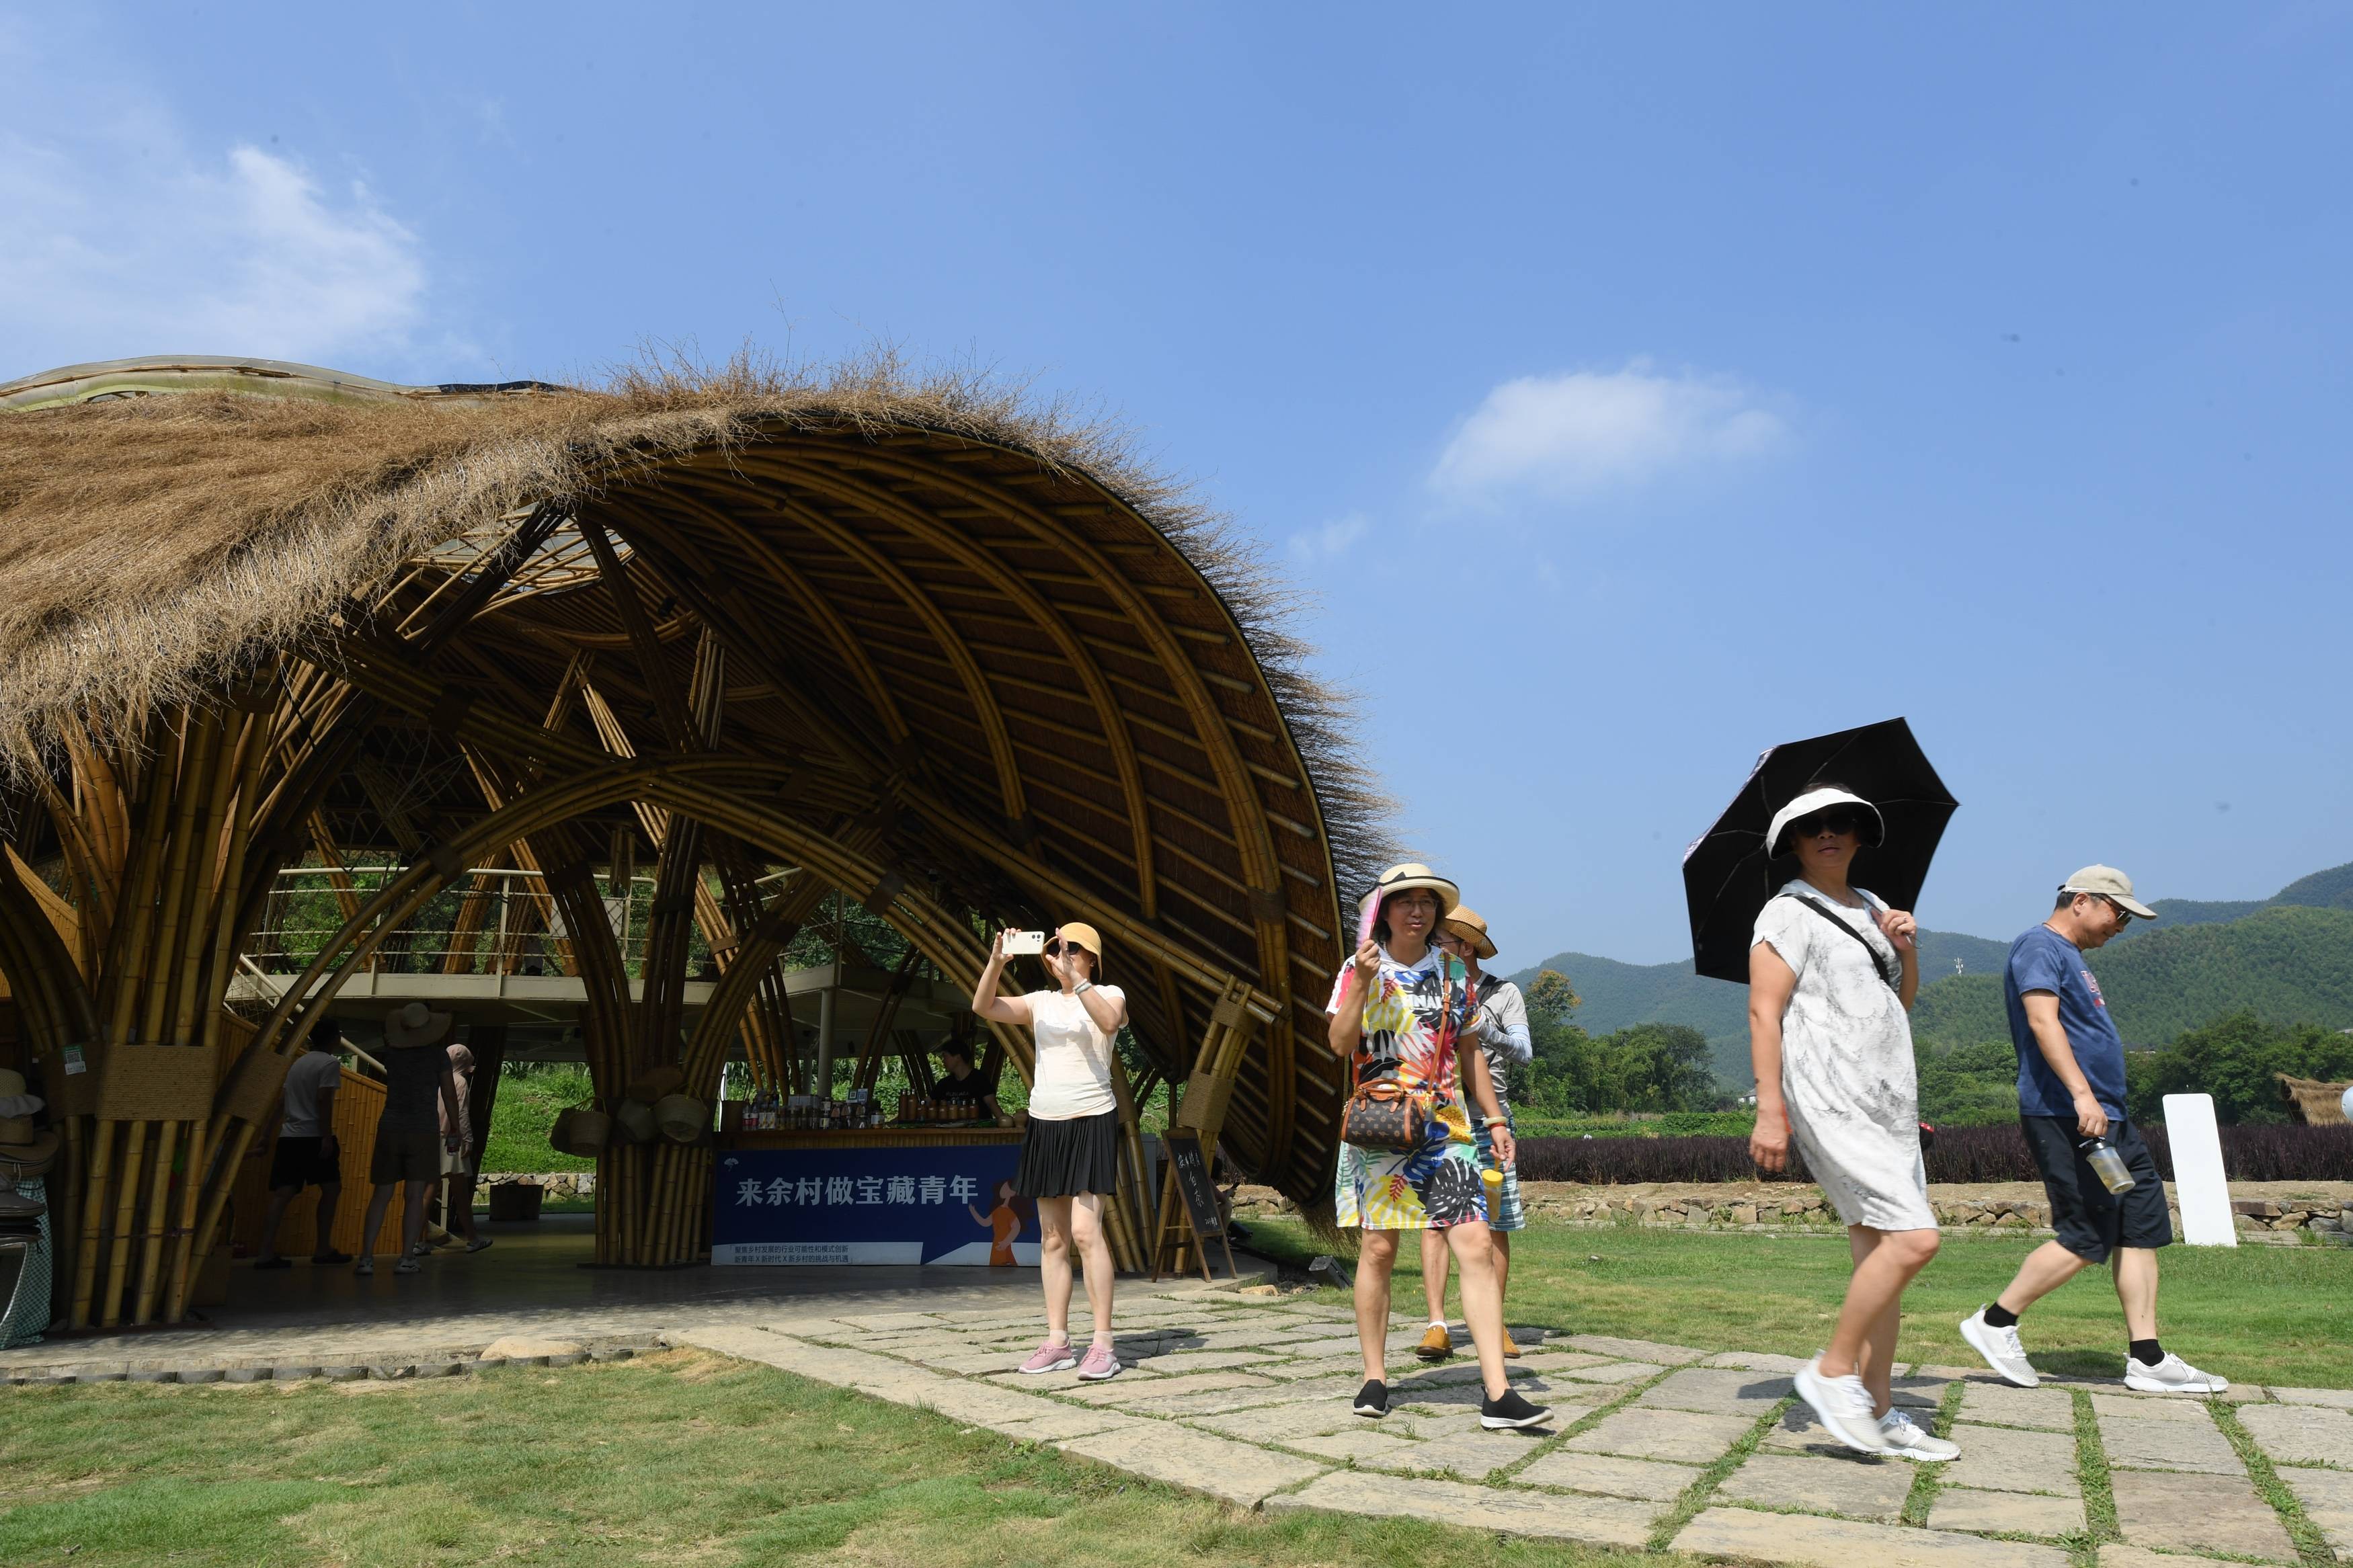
[[1618, 995], [2288, 957], [2286, 964], [2329, 889]]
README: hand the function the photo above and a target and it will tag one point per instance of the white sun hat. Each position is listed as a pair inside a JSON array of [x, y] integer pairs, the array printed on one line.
[[1816, 799]]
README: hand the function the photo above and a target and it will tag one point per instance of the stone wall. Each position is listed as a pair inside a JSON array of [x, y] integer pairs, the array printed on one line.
[[2285, 1211], [559, 1183]]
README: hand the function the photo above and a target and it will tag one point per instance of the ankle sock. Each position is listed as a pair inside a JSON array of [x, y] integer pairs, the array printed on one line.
[[2148, 1352], [1438, 1323], [1997, 1315]]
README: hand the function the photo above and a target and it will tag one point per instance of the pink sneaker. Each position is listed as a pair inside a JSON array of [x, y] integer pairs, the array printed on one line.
[[1098, 1363], [1051, 1357]]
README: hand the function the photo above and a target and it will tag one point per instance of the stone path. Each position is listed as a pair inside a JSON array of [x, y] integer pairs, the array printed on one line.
[[1246, 1397], [1244, 1394]]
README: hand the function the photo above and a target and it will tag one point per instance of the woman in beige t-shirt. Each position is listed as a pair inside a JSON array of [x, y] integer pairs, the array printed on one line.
[[1070, 1149]]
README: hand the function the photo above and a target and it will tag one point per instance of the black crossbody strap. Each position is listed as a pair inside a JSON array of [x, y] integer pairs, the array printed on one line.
[[1876, 966]]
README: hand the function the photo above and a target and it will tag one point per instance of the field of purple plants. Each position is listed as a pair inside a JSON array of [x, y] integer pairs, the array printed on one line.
[[1995, 1153]]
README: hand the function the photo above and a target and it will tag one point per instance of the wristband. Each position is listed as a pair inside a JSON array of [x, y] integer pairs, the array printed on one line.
[[1082, 987]]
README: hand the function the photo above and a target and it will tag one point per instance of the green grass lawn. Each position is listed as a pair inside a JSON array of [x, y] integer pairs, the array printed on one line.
[[675, 1458], [2256, 1314]]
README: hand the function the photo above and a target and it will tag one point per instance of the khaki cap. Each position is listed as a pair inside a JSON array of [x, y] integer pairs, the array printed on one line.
[[1472, 926], [2107, 882]]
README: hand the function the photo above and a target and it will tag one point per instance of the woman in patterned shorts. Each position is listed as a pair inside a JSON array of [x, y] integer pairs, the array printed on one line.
[[1398, 1008]]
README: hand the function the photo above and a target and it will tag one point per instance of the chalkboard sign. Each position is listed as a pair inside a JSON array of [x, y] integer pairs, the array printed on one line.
[[1201, 1194]]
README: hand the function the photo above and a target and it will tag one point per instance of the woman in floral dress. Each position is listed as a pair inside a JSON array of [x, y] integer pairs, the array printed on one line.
[[1398, 1008]]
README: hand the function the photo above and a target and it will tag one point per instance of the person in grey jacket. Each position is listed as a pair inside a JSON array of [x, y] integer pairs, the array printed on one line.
[[1502, 1035]]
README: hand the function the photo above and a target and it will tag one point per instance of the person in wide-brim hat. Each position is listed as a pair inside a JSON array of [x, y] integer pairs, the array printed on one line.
[[1399, 1008], [412, 1134]]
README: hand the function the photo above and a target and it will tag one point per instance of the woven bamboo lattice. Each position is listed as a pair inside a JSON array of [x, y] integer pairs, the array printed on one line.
[[958, 657]]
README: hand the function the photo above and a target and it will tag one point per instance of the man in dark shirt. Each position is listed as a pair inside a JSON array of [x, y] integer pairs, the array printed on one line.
[[2071, 1100], [409, 1139], [959, 1081]]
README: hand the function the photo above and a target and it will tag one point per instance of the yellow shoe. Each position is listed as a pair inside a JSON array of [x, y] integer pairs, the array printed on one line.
[[1511, 1345], [1436, 1345]]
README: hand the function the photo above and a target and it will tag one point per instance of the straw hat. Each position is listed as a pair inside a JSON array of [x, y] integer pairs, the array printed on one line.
[[14, 1100], [1414, 874], [34, 1156], [682, 1118], [415, 1024], [1078, 933], [1469, 925], [16, 1130]]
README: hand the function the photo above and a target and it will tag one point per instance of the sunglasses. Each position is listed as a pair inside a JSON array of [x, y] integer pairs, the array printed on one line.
[[1057, 947], [2124, 915], [1838, 819]]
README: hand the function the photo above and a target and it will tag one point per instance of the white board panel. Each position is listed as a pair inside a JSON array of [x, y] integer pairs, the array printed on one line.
[[2199, 1185]]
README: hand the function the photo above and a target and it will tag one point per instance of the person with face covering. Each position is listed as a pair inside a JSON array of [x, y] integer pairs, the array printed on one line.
[[1070, 1145], [1398, 1008], [1831, 975]]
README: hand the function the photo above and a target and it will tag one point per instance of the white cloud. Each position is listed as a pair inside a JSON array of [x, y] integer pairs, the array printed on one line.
[[123, 241], [1331, 541], [1565, 436]]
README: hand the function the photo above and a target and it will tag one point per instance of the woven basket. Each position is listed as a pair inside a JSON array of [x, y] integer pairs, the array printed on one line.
[[651, 1086], [682, 1118], [633, 1121], [580, 1132]]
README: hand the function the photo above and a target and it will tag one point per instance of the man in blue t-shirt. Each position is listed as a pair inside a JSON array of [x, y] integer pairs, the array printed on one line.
[[2070, 1101]]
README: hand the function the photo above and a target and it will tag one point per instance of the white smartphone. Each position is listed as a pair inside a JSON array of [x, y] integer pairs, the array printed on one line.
[[1019, 942]]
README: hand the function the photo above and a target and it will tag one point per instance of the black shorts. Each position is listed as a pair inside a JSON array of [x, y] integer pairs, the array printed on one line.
[[1064, 1159], [303, 1163], [2092, 1222]]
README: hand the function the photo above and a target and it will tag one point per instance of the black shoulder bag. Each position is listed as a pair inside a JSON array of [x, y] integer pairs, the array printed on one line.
[[1878, 968]]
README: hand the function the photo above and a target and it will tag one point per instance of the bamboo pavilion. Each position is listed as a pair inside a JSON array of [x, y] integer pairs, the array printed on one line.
[[913, 642]]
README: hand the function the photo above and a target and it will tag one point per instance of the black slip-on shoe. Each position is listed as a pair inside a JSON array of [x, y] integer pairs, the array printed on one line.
[[1511, 1412], [1373, 1399]]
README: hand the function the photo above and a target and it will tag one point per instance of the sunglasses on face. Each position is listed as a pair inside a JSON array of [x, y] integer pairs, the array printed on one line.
[[1838, 819], [2124, 915]]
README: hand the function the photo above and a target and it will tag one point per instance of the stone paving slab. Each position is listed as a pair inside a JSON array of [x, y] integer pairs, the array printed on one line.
[[1609, 1475], [2151, 1407], [1683, 1436], [2123, 1554], [1860, 1487], [1198, 1461], [1995, 1459], [1843, 1543], [2005, 1513], [2327, 1500], [1255, 1393], [2154, 1443], [2301, 1434], [2341, 1398], [1473, 1455], [1548, 1516], [1999, 1405], [1067, 1421], [1126, 1389], [1610, 1372], [1757, 1360], [1364, 1445], [1068, 1378], [2199, 1513], [1716, 1392], [1636, 1349]]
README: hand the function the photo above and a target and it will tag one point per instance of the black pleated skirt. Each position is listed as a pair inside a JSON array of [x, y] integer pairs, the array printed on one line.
[[1063, 1159]]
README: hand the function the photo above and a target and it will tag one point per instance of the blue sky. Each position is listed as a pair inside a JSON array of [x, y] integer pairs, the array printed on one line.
[[1636, 386]]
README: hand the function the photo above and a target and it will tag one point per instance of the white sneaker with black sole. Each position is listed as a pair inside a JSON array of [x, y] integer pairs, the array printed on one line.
[[1843, 1407], [2000, 1349], [2172, 1376], [1907, 1440]]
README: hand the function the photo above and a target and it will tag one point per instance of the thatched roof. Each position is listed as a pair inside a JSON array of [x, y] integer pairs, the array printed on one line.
[[2312, 1102], [851, 532]]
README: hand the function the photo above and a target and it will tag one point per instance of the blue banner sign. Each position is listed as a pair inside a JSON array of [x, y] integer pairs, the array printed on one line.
[[951, 1202]]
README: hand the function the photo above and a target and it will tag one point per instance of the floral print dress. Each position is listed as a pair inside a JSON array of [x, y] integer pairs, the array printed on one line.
[[1410, 1026]]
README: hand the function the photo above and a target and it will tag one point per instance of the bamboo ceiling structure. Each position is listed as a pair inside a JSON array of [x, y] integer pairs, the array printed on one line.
[[958, 657]]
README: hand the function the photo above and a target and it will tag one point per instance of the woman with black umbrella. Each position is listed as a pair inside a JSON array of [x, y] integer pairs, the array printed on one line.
[[1831, 975]]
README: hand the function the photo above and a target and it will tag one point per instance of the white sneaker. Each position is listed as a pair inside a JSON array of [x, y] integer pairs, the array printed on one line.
[[1843, 1407], [2172, 1376], [1907, 1440], [2000, 1349]]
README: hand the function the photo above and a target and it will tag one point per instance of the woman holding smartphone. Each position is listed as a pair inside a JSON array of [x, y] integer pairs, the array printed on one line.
[[1070, 1145], [1831, 975]]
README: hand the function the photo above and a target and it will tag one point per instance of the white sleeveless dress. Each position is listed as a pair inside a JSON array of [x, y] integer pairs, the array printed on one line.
[[1847, 1073]]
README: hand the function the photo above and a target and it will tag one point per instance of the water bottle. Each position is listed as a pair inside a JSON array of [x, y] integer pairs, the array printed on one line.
[[2107, 1164]]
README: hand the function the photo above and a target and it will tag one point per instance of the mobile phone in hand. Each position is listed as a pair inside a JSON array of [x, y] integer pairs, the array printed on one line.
[[1020, 942]]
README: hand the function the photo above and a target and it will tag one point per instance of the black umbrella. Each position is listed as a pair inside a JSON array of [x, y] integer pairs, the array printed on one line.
[[1727, 878]]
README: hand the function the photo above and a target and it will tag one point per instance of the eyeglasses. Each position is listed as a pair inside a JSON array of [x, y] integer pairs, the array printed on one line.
[[2124, 915], [1837, 819]]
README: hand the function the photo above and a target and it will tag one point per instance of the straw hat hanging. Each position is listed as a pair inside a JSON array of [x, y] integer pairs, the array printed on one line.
[[682, 1118]]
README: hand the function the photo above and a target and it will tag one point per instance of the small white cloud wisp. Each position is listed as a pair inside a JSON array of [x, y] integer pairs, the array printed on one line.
[[116, 246], [1569, 435], [1331, 541]]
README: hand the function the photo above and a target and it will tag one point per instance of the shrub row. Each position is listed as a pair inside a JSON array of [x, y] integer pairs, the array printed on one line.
[[1996, 1154]]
